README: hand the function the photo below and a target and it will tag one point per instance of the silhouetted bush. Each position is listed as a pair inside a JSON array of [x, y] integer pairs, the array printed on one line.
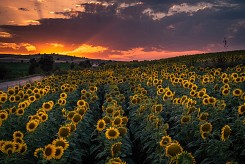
[[4, 72], [85, 64], [46, 63]]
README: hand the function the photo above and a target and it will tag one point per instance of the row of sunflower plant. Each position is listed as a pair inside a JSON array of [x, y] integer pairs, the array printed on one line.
[[111, 139]]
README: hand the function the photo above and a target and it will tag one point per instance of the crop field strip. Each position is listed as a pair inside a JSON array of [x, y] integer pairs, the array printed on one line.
[[155, 113]]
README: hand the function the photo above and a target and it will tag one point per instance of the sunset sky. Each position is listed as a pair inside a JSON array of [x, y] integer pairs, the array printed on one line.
[[121, 29]]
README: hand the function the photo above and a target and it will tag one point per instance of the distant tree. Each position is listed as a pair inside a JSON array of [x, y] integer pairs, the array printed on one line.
[[46, 63], [33, 66], [72, 65], [85, 64]]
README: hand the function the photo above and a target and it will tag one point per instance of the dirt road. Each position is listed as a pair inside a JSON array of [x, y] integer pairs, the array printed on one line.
[[4, 85]]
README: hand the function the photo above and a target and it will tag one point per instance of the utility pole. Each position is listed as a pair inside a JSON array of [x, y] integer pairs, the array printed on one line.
[[225, 44]]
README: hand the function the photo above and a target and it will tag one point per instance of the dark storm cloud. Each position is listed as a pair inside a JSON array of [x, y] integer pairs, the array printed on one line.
[[124, 28]]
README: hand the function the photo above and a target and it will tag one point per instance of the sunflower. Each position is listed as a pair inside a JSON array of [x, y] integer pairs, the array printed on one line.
[[47, 106], [81, 110], [206, 127], [237, 92], [83, 91], [212, 100], [64, 132], [18, 134], [18, 140], [115, 160], [225, 132], [124, 120], [76, 118], [37, 96], [31, 126], [200, 94], [205, 101], [117, 121], [157, 108], [185, 157], [10, 91], [185, 119], [3, 99], [32, 98], [61, 142], [63, 95], [19, 111], [241, 109], [204, 135], [173, 149], [44, 117], [81, 103], [11, 98], [8, 146], [122, 131], [203, 116], [112, 133], [23, 148], [3, 115], [109, 110], [165, 141], [225, 92], [116, 148], [70, 114], [101, 124], [36, 152], [62, 102], [18, 146], [59, 151], [72, 126], [107, 119], [49, 151]]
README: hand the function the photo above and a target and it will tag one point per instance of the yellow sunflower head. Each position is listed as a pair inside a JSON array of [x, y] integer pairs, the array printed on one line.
[[185, 157], [203, 116], [241, 109], [76, 118], [18, 134], [165, 141], [64, 132], [59, 151], [32, 125], [49, 152], [47, 106], [61, 142], [237, 92], [112, 133], [173, 149], [185, 119], [225, 132], [122, 130], [37, 151], [117, 121], [116, 148], [206, 127], [101, 124]]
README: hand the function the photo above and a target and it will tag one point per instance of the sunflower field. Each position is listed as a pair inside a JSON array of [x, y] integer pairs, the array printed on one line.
[[143, 113]]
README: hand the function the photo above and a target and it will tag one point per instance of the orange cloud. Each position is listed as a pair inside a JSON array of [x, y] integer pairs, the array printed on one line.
[[86, 49], [56, 45], [29, 47], [14, 46], [5, 35], [9, 45], [140, 54]]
